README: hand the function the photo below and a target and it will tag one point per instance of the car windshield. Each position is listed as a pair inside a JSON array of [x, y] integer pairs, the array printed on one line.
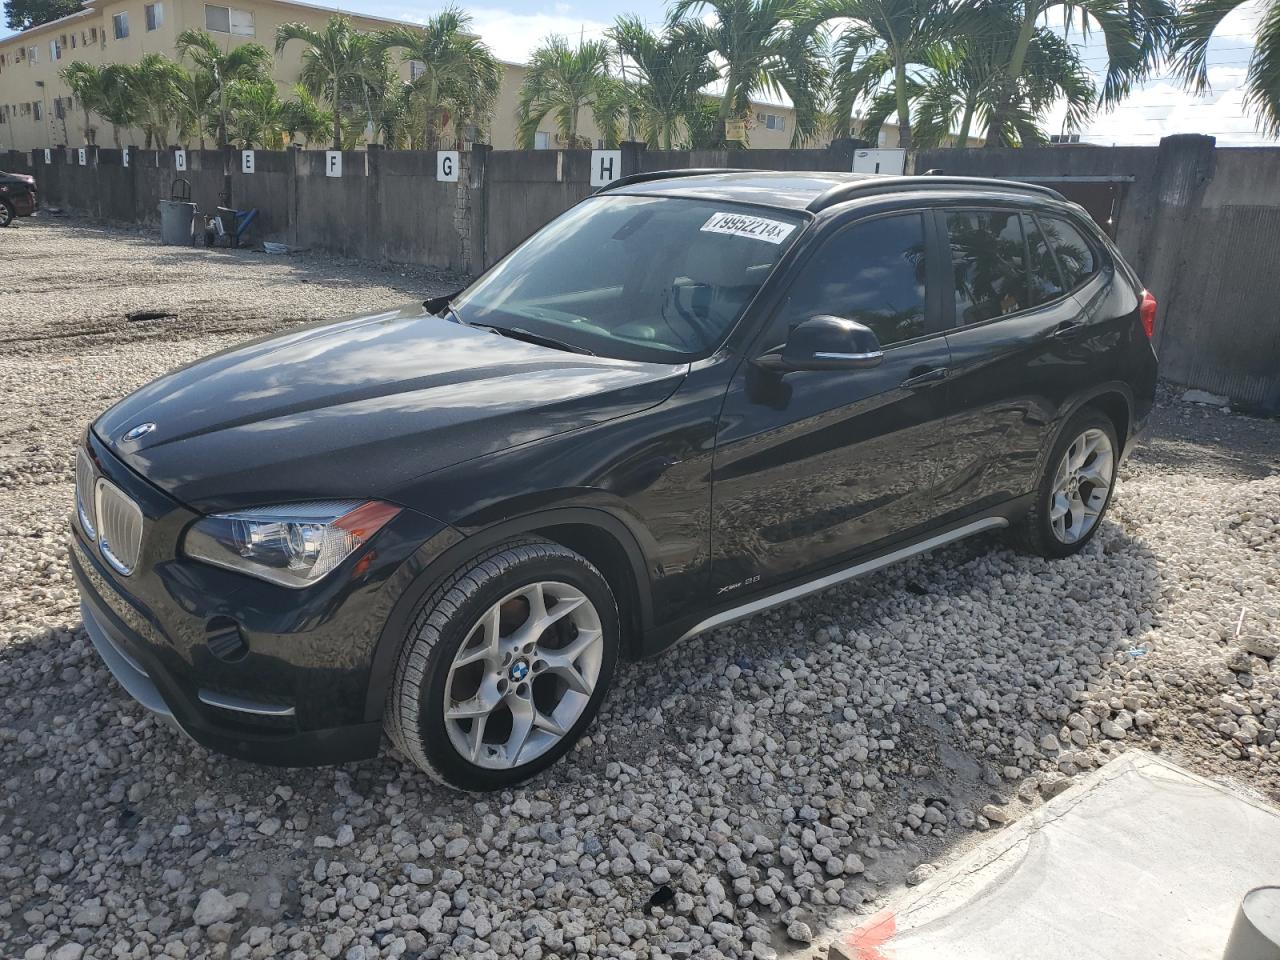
[[658, 279]]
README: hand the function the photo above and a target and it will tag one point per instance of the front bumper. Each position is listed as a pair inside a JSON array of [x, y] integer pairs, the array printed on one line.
[[295, 689], [145, 680]]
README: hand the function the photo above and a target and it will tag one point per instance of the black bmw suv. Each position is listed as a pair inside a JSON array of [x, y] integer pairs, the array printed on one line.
[[693, 396]]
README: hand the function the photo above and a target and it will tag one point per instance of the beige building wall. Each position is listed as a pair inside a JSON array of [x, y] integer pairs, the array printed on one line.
[[20, 80]]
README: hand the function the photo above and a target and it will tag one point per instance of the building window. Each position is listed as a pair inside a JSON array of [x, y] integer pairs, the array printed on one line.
[[228, 20], [541, 140], [120, 23], [154, 13], [771, 121], [93, 34], [73, 41], [59, 110], [33, 54], [37, 110], [416, 69], [55, 50]]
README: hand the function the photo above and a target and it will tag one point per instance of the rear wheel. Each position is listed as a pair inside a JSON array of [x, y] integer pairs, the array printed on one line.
[[6, 213], [507, 664], [1075, 490]]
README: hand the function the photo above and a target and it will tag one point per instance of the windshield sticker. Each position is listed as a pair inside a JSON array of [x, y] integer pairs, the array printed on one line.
[[757, 228]]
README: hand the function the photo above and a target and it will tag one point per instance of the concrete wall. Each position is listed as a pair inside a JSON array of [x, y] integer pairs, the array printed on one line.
[[1200, 224], [387, 205]]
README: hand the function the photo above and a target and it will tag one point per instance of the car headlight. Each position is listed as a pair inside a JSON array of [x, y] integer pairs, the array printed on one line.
[[293, 545]]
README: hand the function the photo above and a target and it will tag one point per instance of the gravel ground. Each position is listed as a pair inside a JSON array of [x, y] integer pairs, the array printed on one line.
[[736, 798]]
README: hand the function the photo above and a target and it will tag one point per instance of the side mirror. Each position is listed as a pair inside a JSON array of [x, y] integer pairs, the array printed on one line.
[[827, 343]]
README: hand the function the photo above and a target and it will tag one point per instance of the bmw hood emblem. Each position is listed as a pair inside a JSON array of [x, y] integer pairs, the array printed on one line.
[[138, 432]]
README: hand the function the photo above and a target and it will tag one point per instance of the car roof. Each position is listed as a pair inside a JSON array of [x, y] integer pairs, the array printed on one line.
[[802, 190]]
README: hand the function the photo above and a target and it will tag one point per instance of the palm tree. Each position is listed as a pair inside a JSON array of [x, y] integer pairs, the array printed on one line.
[[1195, 28], [248, 61], [118, 106], [153, 86], [257, 114], [458, 75], [198, 116], [304, 117], [768, 47], [885, 39], [1136, 33], [88, 85], [565, 80], [963, 87], [339, 66], [673, 68]]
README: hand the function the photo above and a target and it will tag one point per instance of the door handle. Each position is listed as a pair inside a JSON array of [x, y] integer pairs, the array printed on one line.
[[931, 375], [1068, 330]]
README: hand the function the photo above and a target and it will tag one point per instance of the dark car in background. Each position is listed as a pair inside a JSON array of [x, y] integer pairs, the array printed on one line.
[[692, 397], [17, 196]]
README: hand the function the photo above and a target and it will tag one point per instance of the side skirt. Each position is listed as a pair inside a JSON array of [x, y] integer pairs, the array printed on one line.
[[863, 567]]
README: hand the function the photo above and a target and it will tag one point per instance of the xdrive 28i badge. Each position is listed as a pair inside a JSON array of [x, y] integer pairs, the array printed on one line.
[[138, 432]]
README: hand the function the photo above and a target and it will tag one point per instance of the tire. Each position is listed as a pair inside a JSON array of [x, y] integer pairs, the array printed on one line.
[[1041, 532], [7, 213], [495, 596]]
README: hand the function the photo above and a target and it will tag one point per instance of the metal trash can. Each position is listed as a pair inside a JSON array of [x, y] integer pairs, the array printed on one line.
[[176, 220], [1256, 933]]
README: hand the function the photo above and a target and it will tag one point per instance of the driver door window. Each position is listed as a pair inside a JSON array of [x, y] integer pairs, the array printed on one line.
[[872, 272]]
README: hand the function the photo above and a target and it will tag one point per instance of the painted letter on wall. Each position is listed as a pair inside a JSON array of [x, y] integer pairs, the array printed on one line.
[[447, 162], [606, 166]]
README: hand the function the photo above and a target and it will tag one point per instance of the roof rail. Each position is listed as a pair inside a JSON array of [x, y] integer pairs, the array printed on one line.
[[666, 174], [881, 184]]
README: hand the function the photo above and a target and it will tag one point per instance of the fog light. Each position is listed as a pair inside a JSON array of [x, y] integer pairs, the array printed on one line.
[[225, 641]]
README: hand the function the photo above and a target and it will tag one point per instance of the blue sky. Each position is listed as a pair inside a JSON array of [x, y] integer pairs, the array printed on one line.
[[1160, 107]]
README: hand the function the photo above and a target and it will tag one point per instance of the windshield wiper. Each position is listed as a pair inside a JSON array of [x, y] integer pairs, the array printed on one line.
[[528, 336]]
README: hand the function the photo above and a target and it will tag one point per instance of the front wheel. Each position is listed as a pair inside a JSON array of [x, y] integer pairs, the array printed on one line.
[[6, 213], [1075, 490], [505, 667]]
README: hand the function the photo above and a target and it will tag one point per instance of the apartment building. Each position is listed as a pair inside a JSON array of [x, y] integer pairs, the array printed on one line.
[[37, 109], [35, 104]]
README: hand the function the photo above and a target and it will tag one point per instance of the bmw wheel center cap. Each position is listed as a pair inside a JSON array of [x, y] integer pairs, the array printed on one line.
[[519, 670]]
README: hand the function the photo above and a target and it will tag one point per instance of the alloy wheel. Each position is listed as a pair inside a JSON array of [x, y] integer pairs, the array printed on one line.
[[524, 675], [1081, 485]]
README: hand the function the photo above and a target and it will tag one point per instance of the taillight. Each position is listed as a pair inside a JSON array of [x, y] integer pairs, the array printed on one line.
[[1147, 312]]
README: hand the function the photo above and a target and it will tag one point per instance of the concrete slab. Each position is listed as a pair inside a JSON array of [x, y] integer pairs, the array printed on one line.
[[1141, 860]]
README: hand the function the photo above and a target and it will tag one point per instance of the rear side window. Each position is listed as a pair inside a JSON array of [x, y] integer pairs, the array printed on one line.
[[988, 260], [872, 272], [1046, 282], [1074, 253]]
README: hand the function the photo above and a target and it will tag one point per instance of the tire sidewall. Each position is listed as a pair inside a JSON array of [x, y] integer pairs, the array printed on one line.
[[1082, 421], [7, 213], [435, 739]]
